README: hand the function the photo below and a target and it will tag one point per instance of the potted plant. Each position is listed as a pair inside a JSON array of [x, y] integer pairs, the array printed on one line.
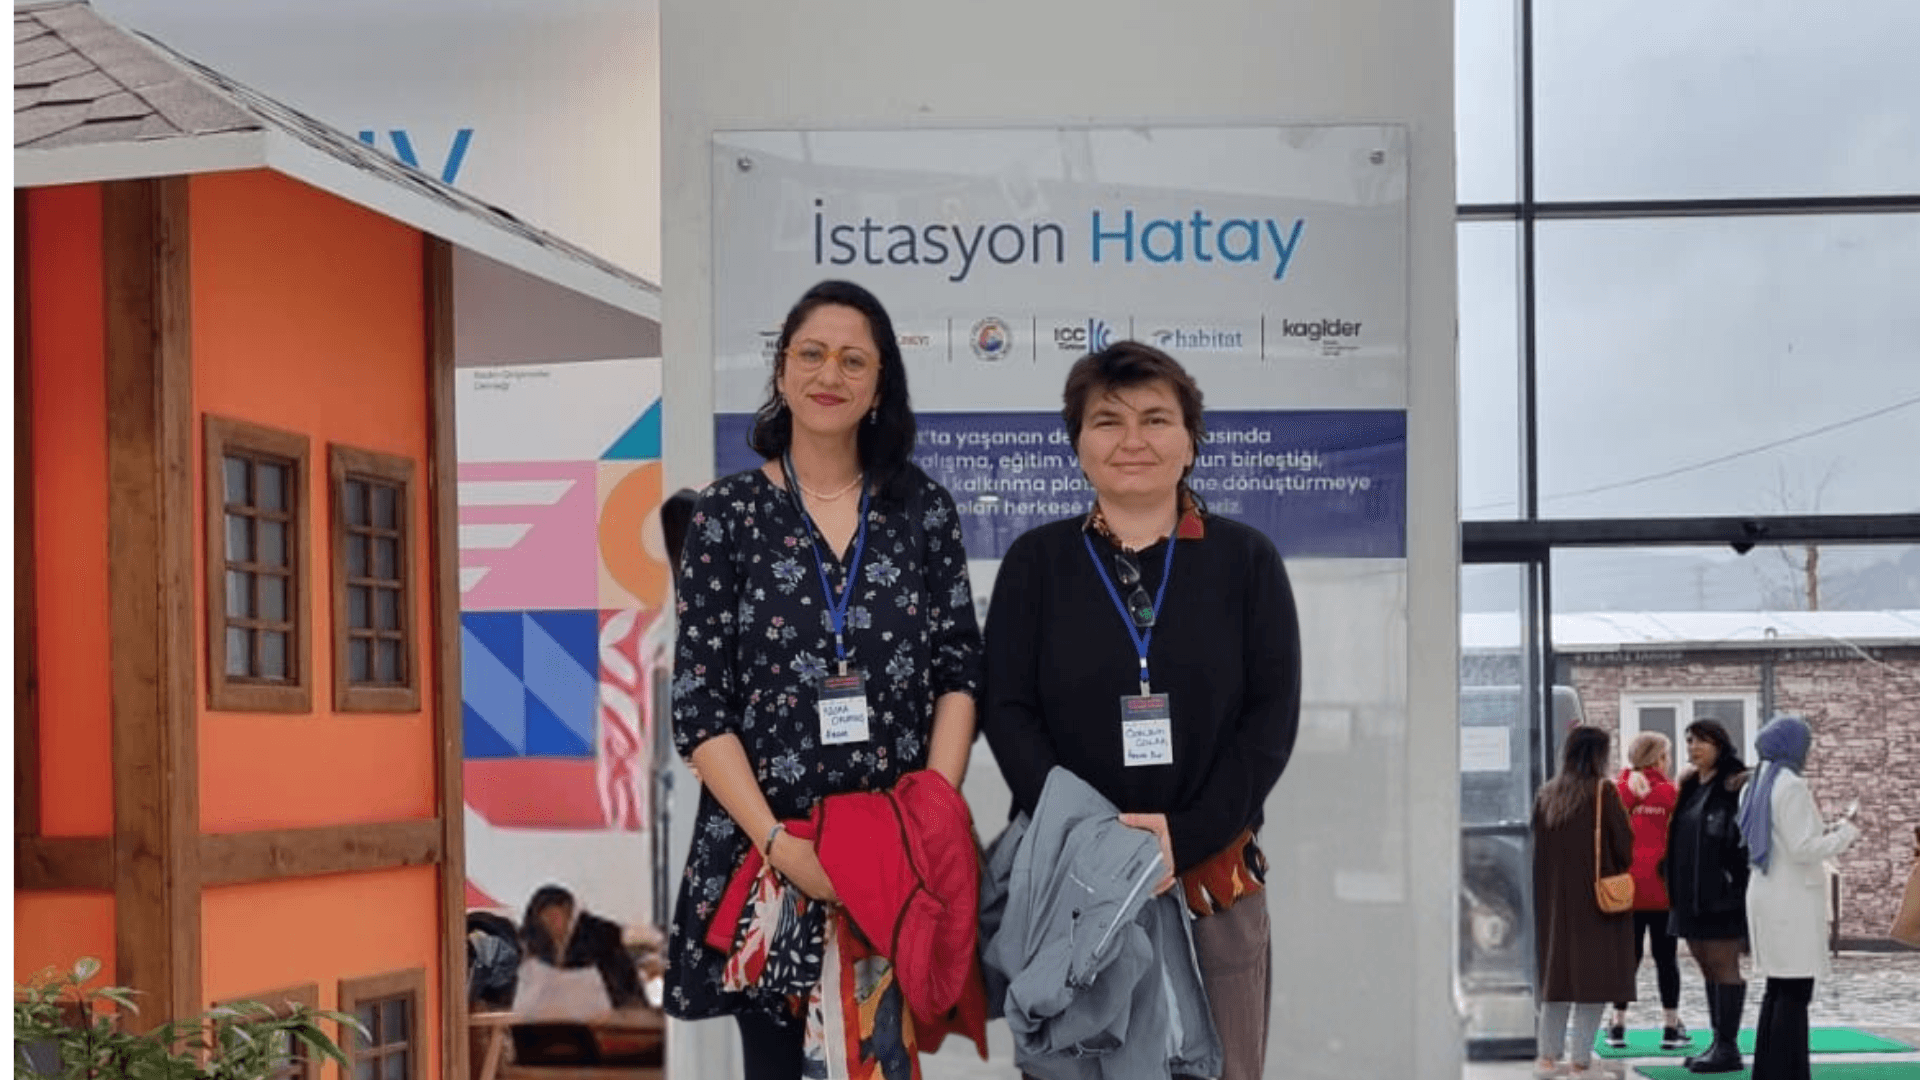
[[64, 1031]]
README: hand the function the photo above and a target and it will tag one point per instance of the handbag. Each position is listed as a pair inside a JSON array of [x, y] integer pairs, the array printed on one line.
[[1614, 892], [1906, 922]]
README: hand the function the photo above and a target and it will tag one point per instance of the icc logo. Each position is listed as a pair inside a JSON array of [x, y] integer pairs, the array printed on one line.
[[1092, 336]]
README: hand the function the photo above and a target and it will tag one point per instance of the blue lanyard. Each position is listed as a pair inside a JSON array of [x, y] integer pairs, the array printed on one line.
[[1141, 641], [836, 606]]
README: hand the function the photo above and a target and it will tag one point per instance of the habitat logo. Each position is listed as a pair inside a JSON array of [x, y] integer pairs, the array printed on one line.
[[1199, 338], [1082, 336], [992, 339]]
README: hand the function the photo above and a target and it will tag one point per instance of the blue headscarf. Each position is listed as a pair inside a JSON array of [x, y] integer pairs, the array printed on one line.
[[1782, 744]]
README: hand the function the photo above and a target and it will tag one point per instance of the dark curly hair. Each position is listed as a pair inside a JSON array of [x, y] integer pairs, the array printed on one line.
[[885, 445]]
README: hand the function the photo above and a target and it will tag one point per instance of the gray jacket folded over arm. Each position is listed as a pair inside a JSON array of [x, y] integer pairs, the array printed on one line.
[[1095, 975]]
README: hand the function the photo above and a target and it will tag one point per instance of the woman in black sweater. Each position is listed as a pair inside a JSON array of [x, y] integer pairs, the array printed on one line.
[[1707, 883], [1153, 650]]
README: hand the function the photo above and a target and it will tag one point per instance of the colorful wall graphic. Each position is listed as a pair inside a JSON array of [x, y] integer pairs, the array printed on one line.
[[563, 577]]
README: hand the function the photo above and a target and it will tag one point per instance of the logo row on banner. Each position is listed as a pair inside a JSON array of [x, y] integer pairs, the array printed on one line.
[[1035, 339]]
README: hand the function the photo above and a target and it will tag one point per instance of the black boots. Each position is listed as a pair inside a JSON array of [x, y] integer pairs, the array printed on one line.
[[1724, 1003], [1712, 991]]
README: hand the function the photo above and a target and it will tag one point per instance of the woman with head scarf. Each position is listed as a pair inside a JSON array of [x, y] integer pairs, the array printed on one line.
[[1707, 884], [1787, 842]]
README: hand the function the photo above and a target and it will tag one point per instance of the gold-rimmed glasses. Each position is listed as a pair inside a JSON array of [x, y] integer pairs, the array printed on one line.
[[855, 362]]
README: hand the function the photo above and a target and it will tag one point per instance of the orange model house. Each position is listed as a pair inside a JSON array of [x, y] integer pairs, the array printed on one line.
[[237, 639]]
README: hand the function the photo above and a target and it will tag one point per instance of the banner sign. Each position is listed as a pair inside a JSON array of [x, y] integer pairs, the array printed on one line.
[[1328, 484], [1271, 261]]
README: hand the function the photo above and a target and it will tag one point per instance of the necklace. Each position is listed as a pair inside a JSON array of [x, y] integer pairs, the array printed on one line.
[[851, 484]]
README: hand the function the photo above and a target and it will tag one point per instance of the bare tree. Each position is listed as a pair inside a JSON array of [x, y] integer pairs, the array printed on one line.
[[1802, 561]]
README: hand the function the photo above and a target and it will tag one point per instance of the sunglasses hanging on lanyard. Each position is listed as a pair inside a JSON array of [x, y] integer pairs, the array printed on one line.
[[843, 696], [1146, 718]]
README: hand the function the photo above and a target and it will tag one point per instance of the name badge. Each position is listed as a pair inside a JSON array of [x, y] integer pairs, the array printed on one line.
[[1146, 729], [843, 709]]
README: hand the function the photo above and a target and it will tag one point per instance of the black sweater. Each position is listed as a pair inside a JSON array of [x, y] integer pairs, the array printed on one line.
[[1226, 647]]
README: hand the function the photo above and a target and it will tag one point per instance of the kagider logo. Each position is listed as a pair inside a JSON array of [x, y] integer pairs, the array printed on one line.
[[1318, 329]]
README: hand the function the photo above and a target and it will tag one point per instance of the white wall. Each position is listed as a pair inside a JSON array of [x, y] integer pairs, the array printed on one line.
[[1373, 933], [562, 96]]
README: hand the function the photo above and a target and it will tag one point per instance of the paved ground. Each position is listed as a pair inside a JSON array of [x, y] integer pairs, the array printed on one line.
[[1874, 992]]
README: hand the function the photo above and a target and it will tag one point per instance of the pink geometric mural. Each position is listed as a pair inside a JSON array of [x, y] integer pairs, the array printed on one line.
[[528, 531]]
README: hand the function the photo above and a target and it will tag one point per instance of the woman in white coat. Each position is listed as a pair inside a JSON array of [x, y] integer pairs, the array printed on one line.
[[1787, 842]]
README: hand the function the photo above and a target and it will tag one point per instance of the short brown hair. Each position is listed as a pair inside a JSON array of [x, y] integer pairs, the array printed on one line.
[[1122, 366]]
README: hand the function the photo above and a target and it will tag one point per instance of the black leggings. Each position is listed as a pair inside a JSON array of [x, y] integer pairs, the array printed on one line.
[[1780, 1037], [771, 1047], [1666, 956]]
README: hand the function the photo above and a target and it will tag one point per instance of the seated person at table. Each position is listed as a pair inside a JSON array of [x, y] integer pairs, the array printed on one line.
[[559, 932]]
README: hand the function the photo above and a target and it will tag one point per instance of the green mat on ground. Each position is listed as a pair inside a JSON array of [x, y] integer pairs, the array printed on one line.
[[1822, 1070], [1645, 1042]]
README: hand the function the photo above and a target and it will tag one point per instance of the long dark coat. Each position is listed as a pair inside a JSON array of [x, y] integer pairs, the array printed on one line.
[[1584, 955]]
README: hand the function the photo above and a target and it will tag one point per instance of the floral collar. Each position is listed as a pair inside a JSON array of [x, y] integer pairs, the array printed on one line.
[[1192, 524]]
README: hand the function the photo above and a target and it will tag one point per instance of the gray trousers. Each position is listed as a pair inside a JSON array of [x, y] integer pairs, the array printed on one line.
[[1552, 1033], [1235, 948]]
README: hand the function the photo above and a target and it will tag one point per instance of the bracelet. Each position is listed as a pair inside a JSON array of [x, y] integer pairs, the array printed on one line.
[[766, 849]]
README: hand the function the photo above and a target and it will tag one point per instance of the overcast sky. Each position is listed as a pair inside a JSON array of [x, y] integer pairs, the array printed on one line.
[[1709, 366]]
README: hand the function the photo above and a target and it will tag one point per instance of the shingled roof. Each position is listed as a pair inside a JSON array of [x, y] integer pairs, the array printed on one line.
[[95, 101]]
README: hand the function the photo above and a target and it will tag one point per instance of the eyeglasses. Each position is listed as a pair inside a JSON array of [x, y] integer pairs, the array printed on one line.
[[1139, 604], [855, 363]]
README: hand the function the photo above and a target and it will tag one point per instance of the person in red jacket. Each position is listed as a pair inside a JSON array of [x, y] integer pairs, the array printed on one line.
[[1650, 797]]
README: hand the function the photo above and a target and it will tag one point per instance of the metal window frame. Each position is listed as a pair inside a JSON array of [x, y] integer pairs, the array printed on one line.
[[1530, 541]]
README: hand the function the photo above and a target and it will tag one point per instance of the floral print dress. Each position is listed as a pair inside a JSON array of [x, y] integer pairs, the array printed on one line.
[[753, 640]]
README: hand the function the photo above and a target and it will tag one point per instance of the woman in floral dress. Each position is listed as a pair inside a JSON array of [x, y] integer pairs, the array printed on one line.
[[774, 708]]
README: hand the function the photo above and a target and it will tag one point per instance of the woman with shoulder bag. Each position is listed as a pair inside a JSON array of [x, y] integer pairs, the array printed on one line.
[[1581, 835]]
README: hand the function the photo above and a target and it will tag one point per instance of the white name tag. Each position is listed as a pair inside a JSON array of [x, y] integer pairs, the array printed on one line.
[[1146, 729], [843, 709]]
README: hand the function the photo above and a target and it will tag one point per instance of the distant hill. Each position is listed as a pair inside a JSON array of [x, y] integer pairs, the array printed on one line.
[[1857, 578]]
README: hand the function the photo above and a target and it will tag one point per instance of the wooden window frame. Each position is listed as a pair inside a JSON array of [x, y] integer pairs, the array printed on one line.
[[410, 984], [307, 994], [224, 692], [344, 463]]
